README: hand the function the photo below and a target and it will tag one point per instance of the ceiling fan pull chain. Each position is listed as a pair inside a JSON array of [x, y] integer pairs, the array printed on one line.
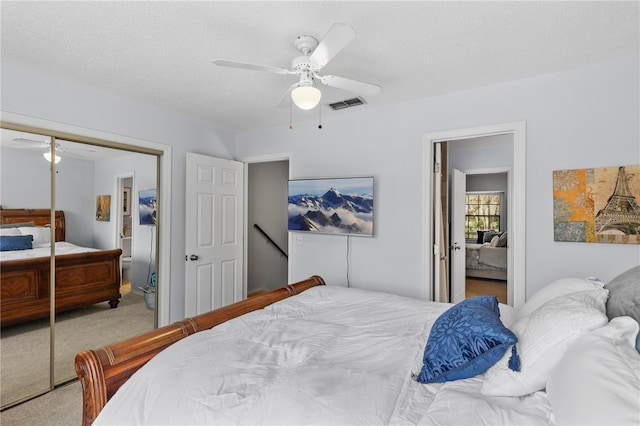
[[320, 117], [291, 115]]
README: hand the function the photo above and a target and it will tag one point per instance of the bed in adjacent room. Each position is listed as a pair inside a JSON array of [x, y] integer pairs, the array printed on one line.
[[84, 275], [487, 257], [310, 353]]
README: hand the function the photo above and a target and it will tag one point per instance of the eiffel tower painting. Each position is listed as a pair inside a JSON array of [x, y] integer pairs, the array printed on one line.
[[622, 212], [599, 205]]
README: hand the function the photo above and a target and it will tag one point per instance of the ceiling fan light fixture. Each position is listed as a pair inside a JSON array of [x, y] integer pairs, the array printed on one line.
[[306, 96], [47, 156]]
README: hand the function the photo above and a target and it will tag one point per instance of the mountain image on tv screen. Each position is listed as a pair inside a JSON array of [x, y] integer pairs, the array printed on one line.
[[331, 206]]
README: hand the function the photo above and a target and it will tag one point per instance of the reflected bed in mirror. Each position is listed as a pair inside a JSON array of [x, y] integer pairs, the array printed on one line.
[[84, 276]]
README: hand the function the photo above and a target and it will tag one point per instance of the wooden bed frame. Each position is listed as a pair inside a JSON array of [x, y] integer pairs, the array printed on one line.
[[103, 371], [82, 279]]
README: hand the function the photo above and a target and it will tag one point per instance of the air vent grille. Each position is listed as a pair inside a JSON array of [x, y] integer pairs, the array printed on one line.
[[348, 103]]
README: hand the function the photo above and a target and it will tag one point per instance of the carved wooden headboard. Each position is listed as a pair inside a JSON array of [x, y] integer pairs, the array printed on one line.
[[39, 217]]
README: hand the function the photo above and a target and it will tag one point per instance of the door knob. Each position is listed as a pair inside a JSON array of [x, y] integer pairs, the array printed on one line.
[[193, 257], [456, 246]]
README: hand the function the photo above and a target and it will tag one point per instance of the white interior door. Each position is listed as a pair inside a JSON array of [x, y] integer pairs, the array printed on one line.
[[437, 221], [459, 190], [214, 233]]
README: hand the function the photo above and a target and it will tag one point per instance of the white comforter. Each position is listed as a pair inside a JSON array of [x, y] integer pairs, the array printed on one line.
[[62, 247], [327, 356]]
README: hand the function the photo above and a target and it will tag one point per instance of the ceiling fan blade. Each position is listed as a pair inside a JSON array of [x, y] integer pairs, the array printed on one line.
[[355, 86], [285, 99], [27, 143], [71, 148], [337, 38], [252, 67], [65, 153]]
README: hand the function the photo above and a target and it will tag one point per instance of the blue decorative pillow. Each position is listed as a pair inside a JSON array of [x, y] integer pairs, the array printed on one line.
[[16, 242], [465, 341]]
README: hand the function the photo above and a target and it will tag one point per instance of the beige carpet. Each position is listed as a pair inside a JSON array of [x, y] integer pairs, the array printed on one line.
[[62, 407], [24, 348]]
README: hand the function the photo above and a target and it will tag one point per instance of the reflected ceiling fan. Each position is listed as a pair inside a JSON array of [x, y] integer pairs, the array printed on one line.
[[315, 56], [46, 147]]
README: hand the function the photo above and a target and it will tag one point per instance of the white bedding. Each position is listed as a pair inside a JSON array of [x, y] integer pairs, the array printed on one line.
[[62, 247], [330, 355]]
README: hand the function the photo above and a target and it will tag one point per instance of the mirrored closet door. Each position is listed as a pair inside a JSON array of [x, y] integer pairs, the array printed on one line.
[[100, 296]]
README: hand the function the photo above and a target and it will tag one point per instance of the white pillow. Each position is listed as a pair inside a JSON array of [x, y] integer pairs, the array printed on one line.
[[597, 381], [9, 232], [494, 241], [543, 337], [508, 314], [555, 289], [41, 235]]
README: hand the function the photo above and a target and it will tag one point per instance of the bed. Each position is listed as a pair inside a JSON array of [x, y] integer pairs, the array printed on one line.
[[486, 261], [84, 276], [310, 353]]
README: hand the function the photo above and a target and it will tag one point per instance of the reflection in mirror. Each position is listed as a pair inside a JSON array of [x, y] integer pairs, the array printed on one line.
[[89, 188], [101, 295], [24, 341]]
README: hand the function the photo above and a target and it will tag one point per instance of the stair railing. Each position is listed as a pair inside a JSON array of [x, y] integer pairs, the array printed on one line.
[[255, 225]]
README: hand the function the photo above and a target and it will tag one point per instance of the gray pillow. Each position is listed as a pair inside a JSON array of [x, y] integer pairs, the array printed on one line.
[[488, 236], [502, 242], [624, 294]]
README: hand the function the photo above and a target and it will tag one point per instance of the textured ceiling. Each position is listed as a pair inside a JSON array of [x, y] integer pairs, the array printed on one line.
[[161, 52]]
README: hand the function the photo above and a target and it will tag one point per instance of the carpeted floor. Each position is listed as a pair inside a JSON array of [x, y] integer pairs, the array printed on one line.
[[24, 362], [61, 407]]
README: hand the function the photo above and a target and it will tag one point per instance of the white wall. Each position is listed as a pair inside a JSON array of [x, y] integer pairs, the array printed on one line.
[[581, 118], [25, 183], [481, 153], [35, 94]]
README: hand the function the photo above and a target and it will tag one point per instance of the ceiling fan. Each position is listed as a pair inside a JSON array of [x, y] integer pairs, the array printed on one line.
[[46, 147], [315, 55]]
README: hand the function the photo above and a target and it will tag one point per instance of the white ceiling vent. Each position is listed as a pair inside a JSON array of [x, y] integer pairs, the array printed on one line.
[[347, 103]]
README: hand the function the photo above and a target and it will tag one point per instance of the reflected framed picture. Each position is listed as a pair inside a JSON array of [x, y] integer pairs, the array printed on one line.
[[148, 207], [126, 202], [103, 208], [341, 206]]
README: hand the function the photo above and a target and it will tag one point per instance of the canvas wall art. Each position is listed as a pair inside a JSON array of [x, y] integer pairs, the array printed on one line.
[[103, 208], [598, 205], [331, 206]]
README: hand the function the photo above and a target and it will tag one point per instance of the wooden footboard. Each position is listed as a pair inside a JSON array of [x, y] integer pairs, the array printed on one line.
[[82, 279], [103, 371]]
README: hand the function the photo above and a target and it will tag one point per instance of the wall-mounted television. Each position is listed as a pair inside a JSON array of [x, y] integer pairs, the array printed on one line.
[[342, 206]]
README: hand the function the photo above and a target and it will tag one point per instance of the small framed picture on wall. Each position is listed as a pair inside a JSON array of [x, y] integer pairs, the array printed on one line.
[[126, 201]]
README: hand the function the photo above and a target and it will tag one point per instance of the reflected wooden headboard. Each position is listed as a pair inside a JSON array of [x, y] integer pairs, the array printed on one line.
[[39, 217]]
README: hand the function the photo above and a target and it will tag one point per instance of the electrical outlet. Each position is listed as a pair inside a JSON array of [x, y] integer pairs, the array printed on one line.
[[298, 239]]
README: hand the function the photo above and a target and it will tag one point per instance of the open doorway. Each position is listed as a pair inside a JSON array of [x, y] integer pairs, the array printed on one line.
[[267, 245], [484, 150]]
